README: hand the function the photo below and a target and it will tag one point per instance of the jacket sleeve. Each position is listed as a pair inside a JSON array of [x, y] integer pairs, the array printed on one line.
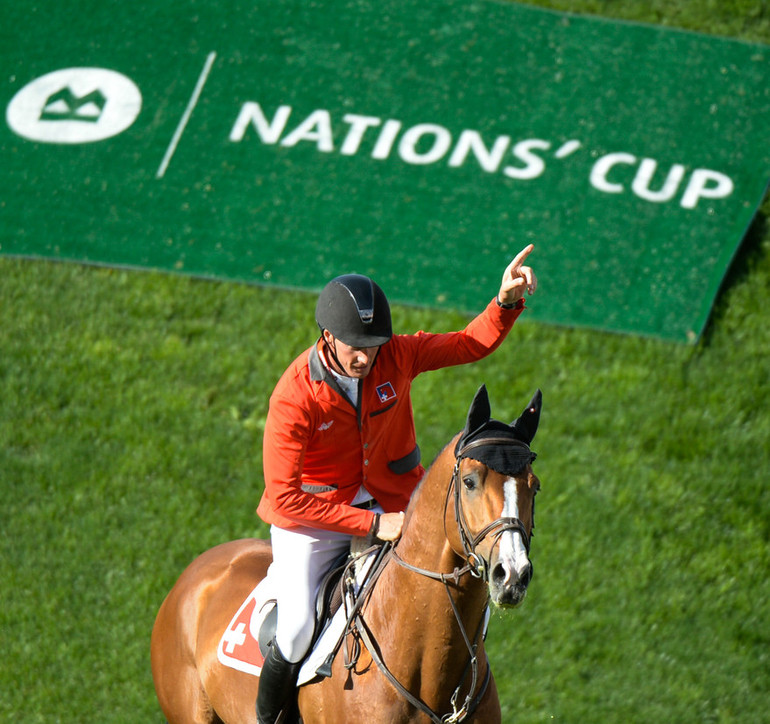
[[483, 335], [287, 432]]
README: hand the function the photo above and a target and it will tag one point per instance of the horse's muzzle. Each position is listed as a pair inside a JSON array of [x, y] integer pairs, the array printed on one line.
[[507, 587]]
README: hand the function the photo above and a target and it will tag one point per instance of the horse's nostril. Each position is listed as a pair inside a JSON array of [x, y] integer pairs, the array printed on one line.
[[499, 574], [502, 577]]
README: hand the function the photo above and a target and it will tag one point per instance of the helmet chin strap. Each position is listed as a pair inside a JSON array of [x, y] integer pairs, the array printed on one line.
[[332, 352]]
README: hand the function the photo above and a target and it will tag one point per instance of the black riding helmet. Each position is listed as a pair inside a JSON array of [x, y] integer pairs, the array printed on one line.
[[355, 310]]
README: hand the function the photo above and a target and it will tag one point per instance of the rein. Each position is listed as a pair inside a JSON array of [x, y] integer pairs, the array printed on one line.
[[477, 567]]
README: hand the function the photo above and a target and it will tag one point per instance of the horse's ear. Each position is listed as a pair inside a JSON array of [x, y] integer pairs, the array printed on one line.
[[479, 411], [525, 426]]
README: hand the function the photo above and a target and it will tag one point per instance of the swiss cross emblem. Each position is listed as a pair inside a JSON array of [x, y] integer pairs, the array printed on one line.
[[238, 647], [386, 392]]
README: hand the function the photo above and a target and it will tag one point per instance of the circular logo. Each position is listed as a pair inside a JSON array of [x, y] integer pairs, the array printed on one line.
[[74, 105]]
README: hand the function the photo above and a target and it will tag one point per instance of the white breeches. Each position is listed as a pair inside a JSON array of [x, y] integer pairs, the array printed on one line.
[[301, 559]]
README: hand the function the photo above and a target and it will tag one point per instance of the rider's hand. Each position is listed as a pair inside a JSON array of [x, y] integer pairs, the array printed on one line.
[[390, 525], [517, 279]]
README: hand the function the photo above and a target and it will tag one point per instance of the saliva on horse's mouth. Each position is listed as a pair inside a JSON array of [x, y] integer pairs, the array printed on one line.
[[510, 602], [507, 597]]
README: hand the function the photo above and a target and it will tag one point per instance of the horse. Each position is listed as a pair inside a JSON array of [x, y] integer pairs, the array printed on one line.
[[419, 636]]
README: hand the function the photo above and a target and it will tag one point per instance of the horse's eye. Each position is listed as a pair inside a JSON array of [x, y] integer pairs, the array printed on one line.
[[469, 482]]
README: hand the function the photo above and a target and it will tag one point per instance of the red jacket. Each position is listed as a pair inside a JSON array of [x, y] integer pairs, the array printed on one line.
[[319, 449]]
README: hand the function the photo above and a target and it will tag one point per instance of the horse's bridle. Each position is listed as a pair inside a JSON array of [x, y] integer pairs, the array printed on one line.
[[477, 567]]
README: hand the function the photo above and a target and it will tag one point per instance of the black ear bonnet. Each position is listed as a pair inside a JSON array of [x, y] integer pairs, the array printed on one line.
[[503, 448]]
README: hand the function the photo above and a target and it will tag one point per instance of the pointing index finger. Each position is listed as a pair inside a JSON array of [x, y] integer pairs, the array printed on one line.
[[522, 255]]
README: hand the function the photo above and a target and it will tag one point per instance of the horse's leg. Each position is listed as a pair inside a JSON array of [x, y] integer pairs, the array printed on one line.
[[178, 685]]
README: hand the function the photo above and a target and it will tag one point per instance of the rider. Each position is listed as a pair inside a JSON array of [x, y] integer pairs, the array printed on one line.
[[340, 452]]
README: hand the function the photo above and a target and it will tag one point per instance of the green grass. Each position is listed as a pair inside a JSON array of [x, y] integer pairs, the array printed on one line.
[[131, 410]]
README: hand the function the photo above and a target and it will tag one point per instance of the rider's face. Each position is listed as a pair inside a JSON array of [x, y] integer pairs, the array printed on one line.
[[356, 362]]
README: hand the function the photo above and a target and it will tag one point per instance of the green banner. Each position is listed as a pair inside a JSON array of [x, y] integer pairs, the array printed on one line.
[[422, 143]]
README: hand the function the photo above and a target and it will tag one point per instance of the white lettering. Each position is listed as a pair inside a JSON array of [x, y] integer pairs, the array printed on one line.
[[358, 126], [603, 166], [568, 148], [316, 127], [407, 148], [641, 184], [534, 165], [471, 141], [251, 114], [386, 140], [427, 143], [699, 188]]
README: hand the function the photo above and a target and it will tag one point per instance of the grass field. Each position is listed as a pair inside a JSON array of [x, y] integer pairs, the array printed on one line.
[[131, 410]]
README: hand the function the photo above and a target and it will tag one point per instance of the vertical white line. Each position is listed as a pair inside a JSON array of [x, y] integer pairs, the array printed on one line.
[[511, 504], [513, 538], [186, 115]]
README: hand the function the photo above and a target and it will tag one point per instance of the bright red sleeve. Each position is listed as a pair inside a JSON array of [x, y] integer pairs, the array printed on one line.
[[285, 503], [482, 336]]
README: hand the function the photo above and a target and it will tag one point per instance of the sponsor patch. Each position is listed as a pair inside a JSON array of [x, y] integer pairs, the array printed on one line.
[[386, 392]]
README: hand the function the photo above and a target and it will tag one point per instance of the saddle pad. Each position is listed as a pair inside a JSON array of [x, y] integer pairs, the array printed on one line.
[[239, 646]]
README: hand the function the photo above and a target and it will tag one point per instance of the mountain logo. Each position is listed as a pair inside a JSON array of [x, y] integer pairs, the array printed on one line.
[[66, 106], [75, 105]]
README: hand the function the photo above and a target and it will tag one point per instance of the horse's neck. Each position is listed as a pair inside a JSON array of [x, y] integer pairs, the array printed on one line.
[[424, 545], [410, 608], [424, 542]]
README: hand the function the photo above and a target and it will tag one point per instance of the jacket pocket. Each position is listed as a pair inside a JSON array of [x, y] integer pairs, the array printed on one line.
[[405, 464], [384, 409]]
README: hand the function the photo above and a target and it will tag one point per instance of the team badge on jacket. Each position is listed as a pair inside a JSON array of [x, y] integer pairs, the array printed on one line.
[[386, 392]]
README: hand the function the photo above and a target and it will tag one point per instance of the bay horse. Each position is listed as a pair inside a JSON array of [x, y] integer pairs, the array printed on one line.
[[420, 634]]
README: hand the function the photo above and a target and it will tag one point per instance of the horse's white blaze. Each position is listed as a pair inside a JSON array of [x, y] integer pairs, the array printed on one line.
[[513, 553]]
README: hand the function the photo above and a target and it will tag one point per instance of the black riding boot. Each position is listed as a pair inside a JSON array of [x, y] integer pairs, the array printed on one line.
[[277, 682]]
